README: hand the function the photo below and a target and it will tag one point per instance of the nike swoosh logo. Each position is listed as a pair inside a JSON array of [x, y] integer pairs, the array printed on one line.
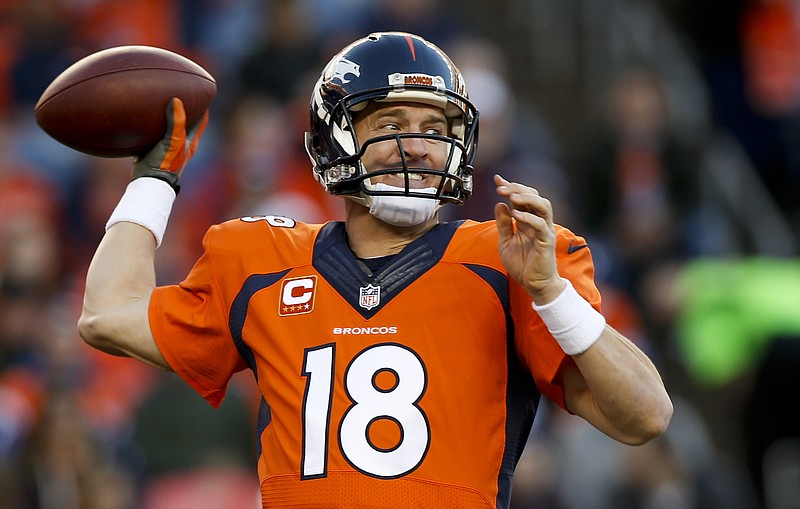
[[571, 249]]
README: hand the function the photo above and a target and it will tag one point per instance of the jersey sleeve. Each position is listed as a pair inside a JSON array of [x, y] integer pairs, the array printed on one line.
[[190, 325], [536, 346]]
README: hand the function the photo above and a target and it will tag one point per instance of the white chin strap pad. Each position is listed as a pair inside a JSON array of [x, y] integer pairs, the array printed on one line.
[[403, 210]]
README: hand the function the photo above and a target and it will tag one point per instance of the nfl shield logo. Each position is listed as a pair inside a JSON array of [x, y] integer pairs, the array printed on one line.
[[369, 296]]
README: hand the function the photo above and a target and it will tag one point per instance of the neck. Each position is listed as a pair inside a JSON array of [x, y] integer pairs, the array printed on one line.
[[370, 237]]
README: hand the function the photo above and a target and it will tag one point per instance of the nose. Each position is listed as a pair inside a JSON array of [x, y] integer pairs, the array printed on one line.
[[414, 148]]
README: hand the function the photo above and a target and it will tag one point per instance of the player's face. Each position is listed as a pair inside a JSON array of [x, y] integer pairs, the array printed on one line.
[[403, 118]]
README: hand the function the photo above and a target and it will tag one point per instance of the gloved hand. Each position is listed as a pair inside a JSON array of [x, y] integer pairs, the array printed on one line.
[[167, 159]]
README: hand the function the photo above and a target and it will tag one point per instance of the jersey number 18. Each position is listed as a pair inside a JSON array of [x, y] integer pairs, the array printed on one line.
[[372, 402]]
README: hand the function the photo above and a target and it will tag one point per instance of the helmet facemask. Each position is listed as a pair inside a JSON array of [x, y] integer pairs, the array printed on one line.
[[337, 153]]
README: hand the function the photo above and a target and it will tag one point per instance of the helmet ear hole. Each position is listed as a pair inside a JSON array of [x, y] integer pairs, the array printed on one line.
[[315, 151]]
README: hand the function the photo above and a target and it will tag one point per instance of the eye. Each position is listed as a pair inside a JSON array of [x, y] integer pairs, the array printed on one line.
[[435, 127], [389, 127]]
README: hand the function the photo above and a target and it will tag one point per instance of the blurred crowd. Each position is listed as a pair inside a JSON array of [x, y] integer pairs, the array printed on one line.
[[676, 264]]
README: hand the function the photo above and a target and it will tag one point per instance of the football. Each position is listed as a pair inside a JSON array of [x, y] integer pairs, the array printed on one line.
[[112, 103]]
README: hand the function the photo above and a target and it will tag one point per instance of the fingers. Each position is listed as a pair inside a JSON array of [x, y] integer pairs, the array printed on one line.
[[176, 133], [176, 117], [167, 158], [526, 203], [182, 143], [196, 132], [505, 225]]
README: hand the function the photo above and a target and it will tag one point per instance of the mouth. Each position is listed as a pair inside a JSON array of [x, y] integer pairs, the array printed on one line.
[[415, 180], [411, 176]]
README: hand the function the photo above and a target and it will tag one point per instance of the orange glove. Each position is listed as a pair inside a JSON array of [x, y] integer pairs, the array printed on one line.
[[167, 159]]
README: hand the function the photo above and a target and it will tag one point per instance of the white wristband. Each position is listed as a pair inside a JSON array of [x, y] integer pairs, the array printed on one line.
[[147, 202], [572, 321]]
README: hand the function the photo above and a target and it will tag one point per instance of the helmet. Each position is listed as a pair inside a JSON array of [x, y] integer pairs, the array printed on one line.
[[389, 67]]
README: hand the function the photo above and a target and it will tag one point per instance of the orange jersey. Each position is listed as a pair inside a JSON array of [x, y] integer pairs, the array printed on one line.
[[415, 386]]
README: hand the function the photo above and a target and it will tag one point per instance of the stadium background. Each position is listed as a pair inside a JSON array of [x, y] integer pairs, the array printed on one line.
[[665, 131]]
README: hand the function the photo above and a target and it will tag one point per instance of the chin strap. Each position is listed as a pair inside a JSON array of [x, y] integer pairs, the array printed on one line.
[[403, 210]]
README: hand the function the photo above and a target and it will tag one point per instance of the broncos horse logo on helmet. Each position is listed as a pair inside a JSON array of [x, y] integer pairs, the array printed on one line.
[[345, 67], [389, 67]]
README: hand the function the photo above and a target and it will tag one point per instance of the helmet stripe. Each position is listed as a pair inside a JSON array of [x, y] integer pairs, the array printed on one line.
[[410, 42]]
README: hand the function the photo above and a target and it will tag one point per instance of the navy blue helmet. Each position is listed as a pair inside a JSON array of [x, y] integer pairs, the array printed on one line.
[[389, 67]]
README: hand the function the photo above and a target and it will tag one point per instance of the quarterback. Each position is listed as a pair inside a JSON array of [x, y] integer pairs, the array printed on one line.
[[400, 359]]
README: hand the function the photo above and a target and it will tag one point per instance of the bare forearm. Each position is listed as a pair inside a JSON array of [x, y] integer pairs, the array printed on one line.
[[619, 390], [122, 269], [119, 282], [121, 277]]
